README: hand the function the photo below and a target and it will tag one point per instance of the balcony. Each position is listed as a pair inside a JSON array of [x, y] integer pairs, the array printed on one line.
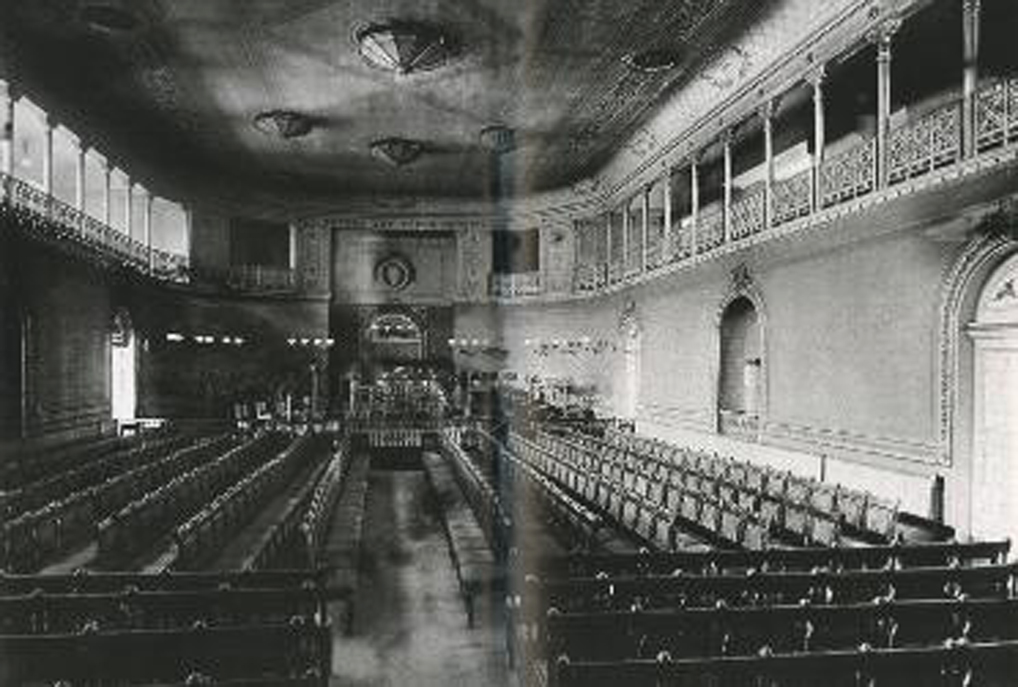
[[924, 146], [49, 220], [515, 285]]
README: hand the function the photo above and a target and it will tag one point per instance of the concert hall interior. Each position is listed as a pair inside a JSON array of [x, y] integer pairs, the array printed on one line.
[[543, 343]]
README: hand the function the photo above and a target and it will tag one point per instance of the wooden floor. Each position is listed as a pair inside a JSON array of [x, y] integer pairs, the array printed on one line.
[[410, 623]]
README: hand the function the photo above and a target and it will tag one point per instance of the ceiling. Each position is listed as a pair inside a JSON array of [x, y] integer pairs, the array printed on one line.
[[175, 97]]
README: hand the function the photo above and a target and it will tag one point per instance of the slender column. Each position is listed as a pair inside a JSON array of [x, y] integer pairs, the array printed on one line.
[[885, 38], [646, 227], [79, 177], [607, 244], [666, 247], [625, 238], [47, 155], [6, 129], [129, 207], [188, 232], [970, 74], [694, 199], [107, 193], [816, 80], [728, 188], [767, 115], [147, 227]]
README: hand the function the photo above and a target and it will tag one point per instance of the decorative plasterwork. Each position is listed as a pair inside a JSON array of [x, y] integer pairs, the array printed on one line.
[[982, 252]]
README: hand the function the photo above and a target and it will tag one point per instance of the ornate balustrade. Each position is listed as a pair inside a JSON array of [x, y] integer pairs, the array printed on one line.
[[710, 228], [791, 197], [654, 255], [515, 285], [849, 175], [680, 244], [996, 114], [749, 212], [921, 146], [614, 272], [587, 277], [54, 220], [634, 260]]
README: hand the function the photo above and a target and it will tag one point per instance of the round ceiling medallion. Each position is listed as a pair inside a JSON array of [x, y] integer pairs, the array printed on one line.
[[394, 272]]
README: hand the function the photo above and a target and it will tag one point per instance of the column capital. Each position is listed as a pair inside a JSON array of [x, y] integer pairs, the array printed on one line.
[[971, 6], [883, 36], [766, 109], [816, 75]]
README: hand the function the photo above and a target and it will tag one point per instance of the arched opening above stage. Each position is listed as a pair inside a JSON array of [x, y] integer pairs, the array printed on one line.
[[394, 337]]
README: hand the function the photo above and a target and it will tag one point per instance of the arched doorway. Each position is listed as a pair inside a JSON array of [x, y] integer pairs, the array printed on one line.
[[740, 371], [123, 368], [395, 337], [994, 477]]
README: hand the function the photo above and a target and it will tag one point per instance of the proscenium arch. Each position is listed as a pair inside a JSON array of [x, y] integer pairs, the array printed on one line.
[[742, 287], [395, 329]]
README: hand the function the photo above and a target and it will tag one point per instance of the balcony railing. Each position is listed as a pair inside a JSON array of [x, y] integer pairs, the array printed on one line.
[[996, 114], [924, 145], [749, 212], [53, 220], [515, 285], [654, 255], [250, 278], [914, 149], [791, 197], [849, 175]]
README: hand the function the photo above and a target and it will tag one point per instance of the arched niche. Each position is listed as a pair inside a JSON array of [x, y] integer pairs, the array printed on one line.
[[740, 399]]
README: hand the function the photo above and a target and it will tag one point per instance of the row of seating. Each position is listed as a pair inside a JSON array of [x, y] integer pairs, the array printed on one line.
[[85, 582], [54, 488], [30, 540], [316, 517], [954, 664], [865, 514], [748, 631], [57, 613], [285, 544], [477, 570], [762, 588], [340, 550], [117, 492], [603, 499], [206, 532], [718, 561], [298, 652], [137, 527], [660, 501], [491, 513], [28, 466]]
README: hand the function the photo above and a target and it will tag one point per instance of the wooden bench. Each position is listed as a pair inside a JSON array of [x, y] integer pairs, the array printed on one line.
[[477, 570], [340, 551]]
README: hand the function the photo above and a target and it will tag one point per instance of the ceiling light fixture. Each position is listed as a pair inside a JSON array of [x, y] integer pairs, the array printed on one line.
[[109, 15], [404, 47], [650, 61], [498, 138], [283, 123], [397, 151]]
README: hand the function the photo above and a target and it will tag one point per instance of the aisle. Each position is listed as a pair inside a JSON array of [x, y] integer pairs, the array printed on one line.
[[410, 627]]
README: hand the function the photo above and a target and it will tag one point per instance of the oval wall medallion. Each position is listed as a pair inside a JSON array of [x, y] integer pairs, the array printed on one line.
[[394, 272]]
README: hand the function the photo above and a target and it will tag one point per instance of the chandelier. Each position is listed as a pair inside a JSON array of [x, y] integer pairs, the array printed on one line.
[[283, 123], [397, 151], [404, 47]]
